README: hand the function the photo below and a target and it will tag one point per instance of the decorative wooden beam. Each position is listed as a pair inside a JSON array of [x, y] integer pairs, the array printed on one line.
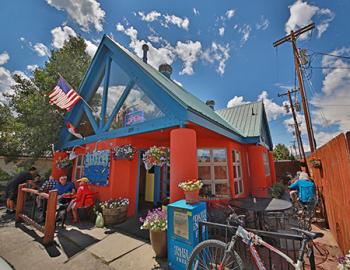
[[91, 119], [105, 93], [119, 104]]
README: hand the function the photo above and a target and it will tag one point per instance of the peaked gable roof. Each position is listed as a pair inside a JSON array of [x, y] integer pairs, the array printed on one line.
[[250, 118], [181, 106]]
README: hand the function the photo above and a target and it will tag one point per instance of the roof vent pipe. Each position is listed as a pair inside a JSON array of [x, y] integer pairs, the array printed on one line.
[[145, 50], [166, 70], [210, 103]]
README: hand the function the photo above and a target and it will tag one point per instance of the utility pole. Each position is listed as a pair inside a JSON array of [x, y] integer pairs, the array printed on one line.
[[292, 37], [297, 131]]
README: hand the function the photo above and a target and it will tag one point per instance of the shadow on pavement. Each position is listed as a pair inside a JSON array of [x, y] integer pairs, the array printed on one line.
[[52, 249]]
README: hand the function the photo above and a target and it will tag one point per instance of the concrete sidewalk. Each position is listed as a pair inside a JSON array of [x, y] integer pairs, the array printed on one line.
[[75, 248]]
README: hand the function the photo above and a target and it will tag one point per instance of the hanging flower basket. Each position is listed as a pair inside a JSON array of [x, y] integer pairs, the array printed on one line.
[[316, 163], [64, 163], [126, 151], [156, 156], [191, 189]]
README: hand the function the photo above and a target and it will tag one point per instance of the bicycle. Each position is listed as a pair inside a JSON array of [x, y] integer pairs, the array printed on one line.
[[215, 254]]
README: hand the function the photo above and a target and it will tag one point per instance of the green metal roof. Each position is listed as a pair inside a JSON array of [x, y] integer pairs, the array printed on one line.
[[180, 94], [246, 117]]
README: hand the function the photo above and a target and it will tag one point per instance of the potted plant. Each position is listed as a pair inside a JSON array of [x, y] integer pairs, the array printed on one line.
[[277, 190], [344, 262], [191, 189], [64, 163], [315, 162], [114, 211], [156, 156], [126, 151], [156, 223]]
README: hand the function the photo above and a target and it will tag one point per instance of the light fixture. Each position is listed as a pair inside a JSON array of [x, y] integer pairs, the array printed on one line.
[[72, 154]]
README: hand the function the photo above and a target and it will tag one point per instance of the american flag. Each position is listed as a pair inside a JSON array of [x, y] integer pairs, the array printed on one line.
[[63, 95]]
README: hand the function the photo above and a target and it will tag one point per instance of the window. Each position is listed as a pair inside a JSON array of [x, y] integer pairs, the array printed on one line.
[[212, 170], [266, 164], [79, 167], [237, 172]]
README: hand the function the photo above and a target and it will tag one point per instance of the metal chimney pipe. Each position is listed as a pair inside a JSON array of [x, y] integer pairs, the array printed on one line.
[[145, 50], [210, 103], [166, 70]]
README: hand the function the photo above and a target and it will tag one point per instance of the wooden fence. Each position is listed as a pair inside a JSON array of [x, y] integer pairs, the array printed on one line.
[[48, 229], [333, 180]]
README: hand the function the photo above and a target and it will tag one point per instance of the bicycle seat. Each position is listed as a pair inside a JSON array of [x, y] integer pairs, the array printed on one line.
[[309, 234]]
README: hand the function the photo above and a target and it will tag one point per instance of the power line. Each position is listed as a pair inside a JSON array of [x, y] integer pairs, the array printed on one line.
[[329, 67], [330, 54]]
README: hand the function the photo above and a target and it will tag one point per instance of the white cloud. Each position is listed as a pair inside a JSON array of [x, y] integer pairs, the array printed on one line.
[[91, 48], [302, 14], [150, 17], [263, 23], [273, 110], [120, 27], [179, 22], [221, 31], [32, 67], [195, 11], [83, 12], [217, 53], [332, 107], [236, 100], [4, 57], [245, 31], [41, 49], [230, 13], [188, 52], [60, 35]]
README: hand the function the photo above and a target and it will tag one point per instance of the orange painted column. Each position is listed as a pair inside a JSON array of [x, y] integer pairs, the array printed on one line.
[[183, 160], [56, 172]]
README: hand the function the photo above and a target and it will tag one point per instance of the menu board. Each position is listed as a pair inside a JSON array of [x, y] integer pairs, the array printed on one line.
[[181, 223], [96, 167]]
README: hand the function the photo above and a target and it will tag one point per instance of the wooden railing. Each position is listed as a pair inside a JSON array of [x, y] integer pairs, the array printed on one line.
[[48, 229]]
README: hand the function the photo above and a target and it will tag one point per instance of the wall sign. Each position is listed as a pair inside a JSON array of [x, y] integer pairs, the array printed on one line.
[[134, 117], [181, 223], [96, 167]]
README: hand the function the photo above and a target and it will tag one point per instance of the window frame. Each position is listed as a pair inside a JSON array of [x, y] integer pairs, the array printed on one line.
[[237, 170], [80, 166], [212, 164], [266, 162]]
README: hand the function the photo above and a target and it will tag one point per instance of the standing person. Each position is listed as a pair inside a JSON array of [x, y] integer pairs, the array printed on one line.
[[305, 187], [12, 187]]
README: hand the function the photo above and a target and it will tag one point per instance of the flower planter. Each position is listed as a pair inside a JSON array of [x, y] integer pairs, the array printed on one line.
[[159, 242], [115, 215], [192, 196]]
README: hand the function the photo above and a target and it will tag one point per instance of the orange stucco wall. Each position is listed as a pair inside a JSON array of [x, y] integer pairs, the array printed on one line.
[[123, 180]]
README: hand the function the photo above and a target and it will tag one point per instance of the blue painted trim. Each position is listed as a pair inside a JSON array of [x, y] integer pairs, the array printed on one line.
[[105, 92], [148, 126], [91, 118], [194, 117], [156, 193], [119, 104]]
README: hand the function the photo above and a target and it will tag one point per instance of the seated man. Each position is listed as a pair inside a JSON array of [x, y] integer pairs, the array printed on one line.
[[305, 187], [64, 187], [82, 198]]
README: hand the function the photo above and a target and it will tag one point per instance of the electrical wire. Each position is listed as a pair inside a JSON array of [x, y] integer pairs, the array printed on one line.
[[330, 54], [329, 67]]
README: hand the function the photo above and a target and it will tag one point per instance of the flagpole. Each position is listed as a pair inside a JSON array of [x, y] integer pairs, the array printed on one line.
[[77, 92]]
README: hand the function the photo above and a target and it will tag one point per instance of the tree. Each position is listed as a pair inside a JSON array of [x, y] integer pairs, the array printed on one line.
[[32, 124], [281, 152]]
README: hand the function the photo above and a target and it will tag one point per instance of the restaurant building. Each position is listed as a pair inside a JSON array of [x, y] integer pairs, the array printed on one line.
[[128, 102]]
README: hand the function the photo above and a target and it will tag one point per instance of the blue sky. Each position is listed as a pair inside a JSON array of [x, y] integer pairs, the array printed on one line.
[[220, 51]]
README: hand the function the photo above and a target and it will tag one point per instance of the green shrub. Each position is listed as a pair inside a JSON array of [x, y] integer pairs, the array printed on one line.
[[277, 190]]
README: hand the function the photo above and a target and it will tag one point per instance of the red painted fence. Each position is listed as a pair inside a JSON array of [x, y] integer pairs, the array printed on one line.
[[333, 179]]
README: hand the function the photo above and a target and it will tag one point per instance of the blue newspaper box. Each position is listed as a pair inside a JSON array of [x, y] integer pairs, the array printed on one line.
[[183, 232]]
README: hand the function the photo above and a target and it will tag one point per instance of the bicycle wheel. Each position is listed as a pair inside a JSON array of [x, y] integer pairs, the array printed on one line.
[[210, 255]]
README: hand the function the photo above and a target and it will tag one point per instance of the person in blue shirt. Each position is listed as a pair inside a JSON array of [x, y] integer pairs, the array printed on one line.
[[64, 187], [305, 187]]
